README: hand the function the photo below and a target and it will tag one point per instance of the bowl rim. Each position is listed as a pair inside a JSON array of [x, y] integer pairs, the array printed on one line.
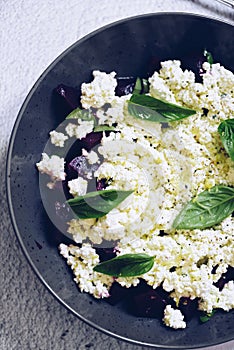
[[8, 174]]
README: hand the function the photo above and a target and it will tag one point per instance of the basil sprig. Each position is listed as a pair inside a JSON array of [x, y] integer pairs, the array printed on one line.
[[103, 127], [83, 114], [226, 131], [141, 86], [138, 86], [152, 109], [209, 208], [127, 265], [98, 203], [209, 57], [207, 316], [87, 115]]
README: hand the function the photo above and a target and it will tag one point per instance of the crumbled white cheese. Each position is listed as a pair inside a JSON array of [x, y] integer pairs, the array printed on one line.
[[80, 230], [58, 138], [100, 91], [78, 187], [82, 261], [165, 167], [52, 166], [173, 318], [81, 129], [91, 156], [159, 89]]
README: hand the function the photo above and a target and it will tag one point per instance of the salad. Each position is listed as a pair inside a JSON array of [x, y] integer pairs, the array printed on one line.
[[146, 168]]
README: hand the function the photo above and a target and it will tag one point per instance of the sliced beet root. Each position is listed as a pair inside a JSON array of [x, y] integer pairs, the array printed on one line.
[[188, 307], [69, 95], [125, 86], [148, 302], [105, 253], [102, 184], [117, 294], [225, 278], [91, 140], [79, 166]]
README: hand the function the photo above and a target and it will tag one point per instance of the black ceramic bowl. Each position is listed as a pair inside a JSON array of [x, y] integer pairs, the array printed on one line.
[[131, 47]]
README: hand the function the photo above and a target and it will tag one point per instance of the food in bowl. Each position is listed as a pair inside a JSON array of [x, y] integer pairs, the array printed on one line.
[[149, 190]]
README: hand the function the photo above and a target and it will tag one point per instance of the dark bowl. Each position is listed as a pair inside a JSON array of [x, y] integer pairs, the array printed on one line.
[[131, 47]]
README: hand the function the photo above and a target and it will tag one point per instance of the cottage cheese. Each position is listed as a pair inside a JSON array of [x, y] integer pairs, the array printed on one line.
[[82, 261], [91, 156], [165, 167], [81, 129], [100, 91], [173, 318], [58, 138], [78, 187], [52, 166]]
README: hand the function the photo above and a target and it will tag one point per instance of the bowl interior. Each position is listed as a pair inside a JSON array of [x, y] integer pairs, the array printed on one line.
[[132, 47]]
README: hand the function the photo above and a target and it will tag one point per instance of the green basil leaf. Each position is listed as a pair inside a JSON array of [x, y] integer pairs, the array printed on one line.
[[83, 114], [99, 128], [152, 109], [97, 204], [226, 131], [127, 265], [138, 86], [209, 57], [207, 316], [141, 86], [145, 86], [145, 113], [209, 208]]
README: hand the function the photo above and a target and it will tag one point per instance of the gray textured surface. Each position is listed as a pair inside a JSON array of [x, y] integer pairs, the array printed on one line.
[[32, 34]]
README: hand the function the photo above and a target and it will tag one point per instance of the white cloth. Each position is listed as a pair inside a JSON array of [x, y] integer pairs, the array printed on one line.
[[32, 34]]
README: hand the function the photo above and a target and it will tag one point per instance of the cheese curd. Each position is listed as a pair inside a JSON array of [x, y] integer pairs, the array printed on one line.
[[79, 130], [165, 166], [82, 261], [78, 187], [173, 318], [92, 156], [100, 91], [52, 166], [58, 138]]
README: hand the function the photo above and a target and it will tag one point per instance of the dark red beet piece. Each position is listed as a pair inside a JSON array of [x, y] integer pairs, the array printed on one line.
[[102, 184], [188, 307], [117, 294], [79, 166], [148, 302], [225, 278], [91, 140], [125, 86], [105, 253], [69, 94]]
